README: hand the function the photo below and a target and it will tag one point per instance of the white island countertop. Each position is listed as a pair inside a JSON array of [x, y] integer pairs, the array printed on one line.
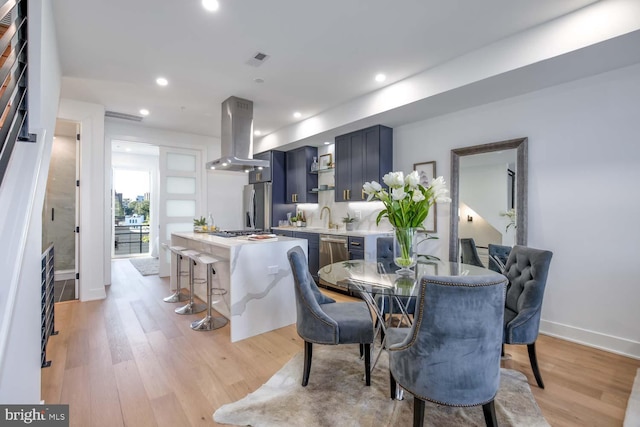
[[256, 275], [338, 232], [225, 242]]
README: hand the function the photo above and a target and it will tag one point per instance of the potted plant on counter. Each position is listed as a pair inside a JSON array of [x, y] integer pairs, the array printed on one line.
[[349, 222], [199, 224]]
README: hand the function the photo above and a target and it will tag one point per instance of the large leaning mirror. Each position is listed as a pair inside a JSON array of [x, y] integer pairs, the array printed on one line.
[[489, 195]]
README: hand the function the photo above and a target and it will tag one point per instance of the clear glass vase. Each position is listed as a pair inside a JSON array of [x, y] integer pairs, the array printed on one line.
[[404, 250]]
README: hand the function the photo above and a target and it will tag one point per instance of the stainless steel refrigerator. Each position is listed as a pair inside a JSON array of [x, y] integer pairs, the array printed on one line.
[[257, 206]]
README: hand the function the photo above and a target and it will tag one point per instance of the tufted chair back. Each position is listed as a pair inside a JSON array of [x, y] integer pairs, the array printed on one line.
[[527, 270], [451, 355], [384, 249]]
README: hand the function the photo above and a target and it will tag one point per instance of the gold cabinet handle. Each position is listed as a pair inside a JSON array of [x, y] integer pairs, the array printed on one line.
[[344, 194], [363, 195], [355, 243], [348, 194]]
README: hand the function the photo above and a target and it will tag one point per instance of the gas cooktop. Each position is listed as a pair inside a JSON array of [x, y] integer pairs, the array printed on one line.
[[235, 233]]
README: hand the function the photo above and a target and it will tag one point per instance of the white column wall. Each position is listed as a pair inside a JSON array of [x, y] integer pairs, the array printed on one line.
[[21, 199], [584, 166], [95, 273]]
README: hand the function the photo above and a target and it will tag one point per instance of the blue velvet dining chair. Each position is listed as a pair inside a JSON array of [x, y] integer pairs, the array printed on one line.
[[469, 252], [384, 258], [451, 354], [321, 320], [527, 271], [498, 256]]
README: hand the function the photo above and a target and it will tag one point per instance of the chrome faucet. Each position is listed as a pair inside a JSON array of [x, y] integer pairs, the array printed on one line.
[[330, 225]]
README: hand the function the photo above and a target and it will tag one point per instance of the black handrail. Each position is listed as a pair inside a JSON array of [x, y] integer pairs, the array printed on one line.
[[13, 79], [126, 244]]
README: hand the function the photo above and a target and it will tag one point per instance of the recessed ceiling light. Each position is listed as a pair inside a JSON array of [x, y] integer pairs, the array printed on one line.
[[297, 114], [127, 149], [327, 142], [144, 112], [210, 5], [161, 81], [380, 78], [257, 132]]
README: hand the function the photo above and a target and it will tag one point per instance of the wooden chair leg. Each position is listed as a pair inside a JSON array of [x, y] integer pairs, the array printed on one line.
[[534, 363], [418, 412], [367, 364], [392, 385], [308, 352], [502, 351], [489, 410], [361, 350]]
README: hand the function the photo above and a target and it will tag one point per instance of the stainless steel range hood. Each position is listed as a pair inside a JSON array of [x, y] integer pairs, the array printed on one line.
[[237, 138]]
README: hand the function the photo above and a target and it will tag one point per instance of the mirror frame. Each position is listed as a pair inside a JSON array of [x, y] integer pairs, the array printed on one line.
[[520, 144]]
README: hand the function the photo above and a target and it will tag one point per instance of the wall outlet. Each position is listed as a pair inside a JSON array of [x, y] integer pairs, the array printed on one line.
[[358, 215], [272, 269]]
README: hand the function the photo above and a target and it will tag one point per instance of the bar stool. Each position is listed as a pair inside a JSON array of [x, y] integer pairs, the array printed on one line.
[[210, 322], [177, 296], [191, 307]]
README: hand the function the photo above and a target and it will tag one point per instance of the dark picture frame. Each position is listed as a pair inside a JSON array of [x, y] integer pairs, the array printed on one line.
[[326, 161]]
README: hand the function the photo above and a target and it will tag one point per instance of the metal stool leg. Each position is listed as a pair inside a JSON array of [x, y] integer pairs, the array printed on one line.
[[177, 296], [209, 322], [191, 307]]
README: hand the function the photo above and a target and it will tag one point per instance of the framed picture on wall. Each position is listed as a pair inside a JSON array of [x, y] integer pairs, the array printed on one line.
[[326, 161], [427, 172]]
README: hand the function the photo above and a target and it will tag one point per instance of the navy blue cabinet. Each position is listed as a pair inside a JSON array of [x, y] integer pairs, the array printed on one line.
[[356, 247], [300, 181], [262, 174], [362, 156], [314, 251]]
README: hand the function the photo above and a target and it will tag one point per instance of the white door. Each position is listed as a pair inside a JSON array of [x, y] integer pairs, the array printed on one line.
[[77, 214], [181, 196]]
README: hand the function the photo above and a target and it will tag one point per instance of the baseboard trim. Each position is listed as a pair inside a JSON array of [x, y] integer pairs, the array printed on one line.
[[93, 294], [64, 275], [612, 344]]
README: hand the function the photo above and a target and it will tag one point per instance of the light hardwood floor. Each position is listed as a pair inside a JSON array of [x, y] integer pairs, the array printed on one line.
[[129, 360]]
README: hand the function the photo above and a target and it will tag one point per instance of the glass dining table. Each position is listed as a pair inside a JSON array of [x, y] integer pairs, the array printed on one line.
[[386, 292]]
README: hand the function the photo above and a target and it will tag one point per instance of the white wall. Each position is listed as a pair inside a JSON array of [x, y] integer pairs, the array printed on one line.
[[584, 166], [94, 273], [23, 191]]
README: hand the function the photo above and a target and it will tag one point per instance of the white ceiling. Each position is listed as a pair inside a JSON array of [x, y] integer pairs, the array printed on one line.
[[322, 54]]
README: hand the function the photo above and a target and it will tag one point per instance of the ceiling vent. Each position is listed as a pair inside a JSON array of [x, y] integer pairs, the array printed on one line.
[[258, 59], [123, 116]]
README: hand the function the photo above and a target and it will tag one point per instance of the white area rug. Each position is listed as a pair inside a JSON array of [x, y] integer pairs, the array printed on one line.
[[632, 416], [146, 266], [336, 396]]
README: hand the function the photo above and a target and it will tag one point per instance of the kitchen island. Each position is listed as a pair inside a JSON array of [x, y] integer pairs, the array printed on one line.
[[256, 274]]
